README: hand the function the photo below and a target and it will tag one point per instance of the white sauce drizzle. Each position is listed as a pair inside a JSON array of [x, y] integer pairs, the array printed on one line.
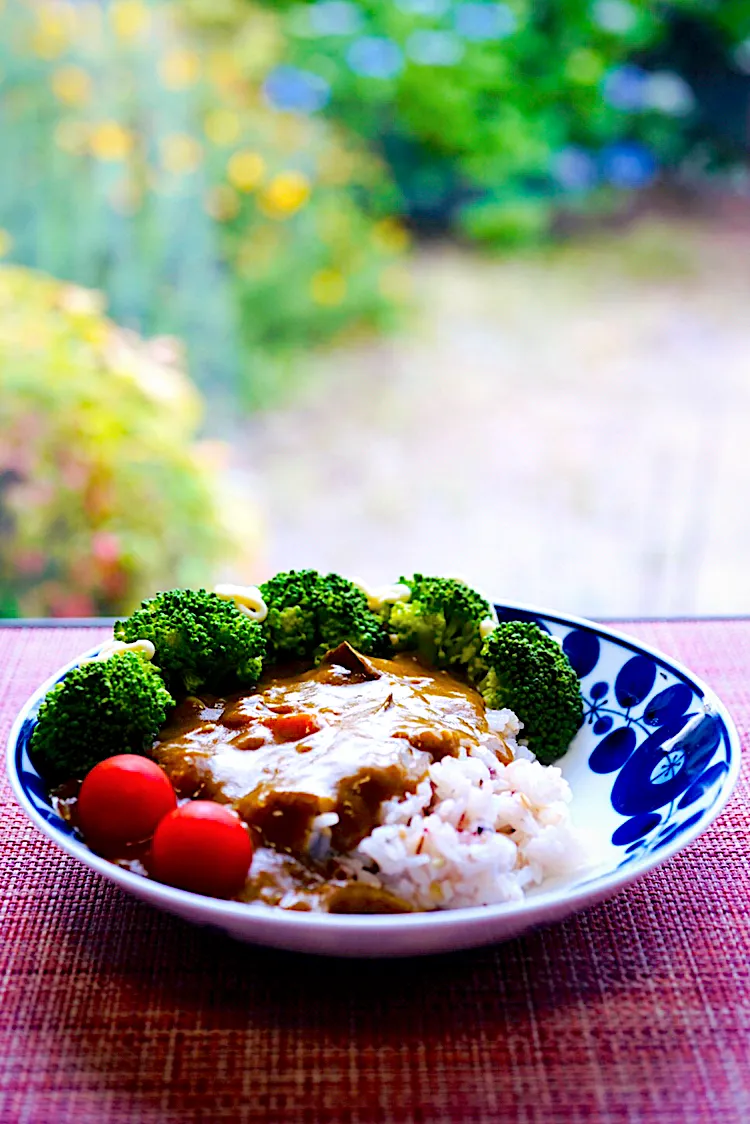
[[247, 598]]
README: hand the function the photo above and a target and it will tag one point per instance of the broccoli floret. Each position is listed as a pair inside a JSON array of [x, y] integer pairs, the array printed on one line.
[[343, 614], [527, 671], [291, 627], [202, 641], [441, 621], [101, 708], [310, 613]]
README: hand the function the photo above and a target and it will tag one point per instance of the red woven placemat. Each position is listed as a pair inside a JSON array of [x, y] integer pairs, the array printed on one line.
[[638, 1010]]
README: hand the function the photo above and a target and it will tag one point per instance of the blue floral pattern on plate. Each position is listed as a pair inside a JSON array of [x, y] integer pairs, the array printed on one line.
[[664, 745], [33, 785]]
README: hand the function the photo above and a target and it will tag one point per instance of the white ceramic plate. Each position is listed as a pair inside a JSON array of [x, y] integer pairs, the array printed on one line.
[[652, 766]]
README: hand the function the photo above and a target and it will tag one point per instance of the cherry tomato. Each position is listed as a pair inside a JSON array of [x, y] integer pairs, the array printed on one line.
[[204, 847], [122, 800]]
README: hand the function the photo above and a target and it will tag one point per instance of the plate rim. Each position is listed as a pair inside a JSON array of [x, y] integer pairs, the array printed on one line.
[[572, 898]]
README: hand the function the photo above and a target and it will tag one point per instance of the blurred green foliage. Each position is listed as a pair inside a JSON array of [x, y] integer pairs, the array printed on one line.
[[143, 160], [495, 117], [104, 493]]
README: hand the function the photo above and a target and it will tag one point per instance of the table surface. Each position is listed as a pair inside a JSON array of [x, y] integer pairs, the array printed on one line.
[[636, 1010]]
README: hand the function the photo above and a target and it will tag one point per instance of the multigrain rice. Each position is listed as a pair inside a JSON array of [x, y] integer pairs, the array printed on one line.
[[476, 831]]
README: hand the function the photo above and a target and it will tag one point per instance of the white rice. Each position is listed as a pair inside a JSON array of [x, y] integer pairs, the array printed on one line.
[[476, 831]]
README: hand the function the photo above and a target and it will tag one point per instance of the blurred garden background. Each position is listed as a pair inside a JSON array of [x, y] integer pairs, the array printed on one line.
[[375, 286]]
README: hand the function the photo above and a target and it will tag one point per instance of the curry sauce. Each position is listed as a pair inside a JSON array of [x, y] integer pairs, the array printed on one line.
[[309, 758]]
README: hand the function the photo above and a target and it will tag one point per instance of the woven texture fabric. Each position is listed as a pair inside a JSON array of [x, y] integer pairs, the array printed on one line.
[[637, 1010]]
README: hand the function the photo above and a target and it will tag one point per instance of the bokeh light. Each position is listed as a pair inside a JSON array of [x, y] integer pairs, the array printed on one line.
[[434, 48], [625, 88], [246, 170], [335, 17], [575, 169], [181, 154], [484, 22], [111, 141], [628, 164], [616, 16], [668, 93], [375, 57], [285, 194], [297, 91], [72, 85]]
